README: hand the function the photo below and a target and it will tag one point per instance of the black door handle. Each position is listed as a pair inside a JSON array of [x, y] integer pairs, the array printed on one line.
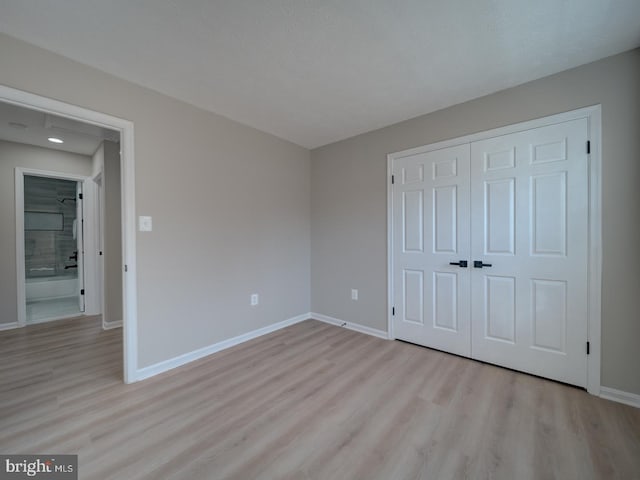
[[479, 264], [461, 263]]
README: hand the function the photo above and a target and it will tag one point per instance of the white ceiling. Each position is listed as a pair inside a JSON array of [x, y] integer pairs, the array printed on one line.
[[22, 125], [315, 72]]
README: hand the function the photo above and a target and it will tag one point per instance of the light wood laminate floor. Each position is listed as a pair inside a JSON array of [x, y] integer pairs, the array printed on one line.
[[311, 401]]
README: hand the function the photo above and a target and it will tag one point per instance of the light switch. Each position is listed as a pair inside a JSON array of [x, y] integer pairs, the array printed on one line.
[[144, 224]]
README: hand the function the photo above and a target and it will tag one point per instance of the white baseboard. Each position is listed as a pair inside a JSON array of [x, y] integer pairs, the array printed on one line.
[[110, 325], [180, 360], [8, 326], [620, 396], [350, 325]]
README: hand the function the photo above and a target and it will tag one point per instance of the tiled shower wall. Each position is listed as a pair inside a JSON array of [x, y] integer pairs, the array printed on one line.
[[47, 252]]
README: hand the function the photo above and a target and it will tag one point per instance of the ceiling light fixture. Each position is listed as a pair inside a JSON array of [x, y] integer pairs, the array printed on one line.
[[55, 140]]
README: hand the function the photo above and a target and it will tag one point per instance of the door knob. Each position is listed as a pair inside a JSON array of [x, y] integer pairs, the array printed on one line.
[[461, 263], [479, 264]]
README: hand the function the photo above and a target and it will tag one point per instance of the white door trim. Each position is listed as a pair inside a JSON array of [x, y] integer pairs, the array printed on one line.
[[125, 127], [593, 116], [20, 173]]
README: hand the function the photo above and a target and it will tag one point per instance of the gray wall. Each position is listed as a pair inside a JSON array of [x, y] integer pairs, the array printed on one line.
[[230, 207], [14, 155], [112, 233], [348, 246]]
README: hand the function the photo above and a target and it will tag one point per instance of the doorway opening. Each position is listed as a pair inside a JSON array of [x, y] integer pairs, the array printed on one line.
[[58, 267], [53, 248]]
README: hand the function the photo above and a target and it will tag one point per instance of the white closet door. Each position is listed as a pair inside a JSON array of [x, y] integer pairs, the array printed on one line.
[[430, 231], [529, 221]]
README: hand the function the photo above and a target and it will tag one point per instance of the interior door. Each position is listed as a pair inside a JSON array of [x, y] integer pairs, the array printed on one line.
[[80, 244], [430, 234], [529, 221]]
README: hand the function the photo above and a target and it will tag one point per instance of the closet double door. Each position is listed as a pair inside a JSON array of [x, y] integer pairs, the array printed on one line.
[[490, 250]]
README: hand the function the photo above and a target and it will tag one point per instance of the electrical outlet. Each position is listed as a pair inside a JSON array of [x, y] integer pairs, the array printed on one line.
[[255, 299], [354, 294]]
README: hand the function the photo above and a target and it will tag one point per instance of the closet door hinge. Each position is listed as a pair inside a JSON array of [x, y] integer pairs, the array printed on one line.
[[588, 146], [80, 196], [82, 292], [588, 348], [393, 311], [393, 179]]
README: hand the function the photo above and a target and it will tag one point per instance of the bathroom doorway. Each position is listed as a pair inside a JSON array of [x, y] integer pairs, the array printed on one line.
[[53, 248], [58, 243]]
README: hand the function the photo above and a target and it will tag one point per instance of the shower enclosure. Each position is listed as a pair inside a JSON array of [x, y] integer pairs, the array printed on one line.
[[52, 240]]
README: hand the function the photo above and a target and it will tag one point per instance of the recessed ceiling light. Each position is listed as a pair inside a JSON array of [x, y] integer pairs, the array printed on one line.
[[55, 140]]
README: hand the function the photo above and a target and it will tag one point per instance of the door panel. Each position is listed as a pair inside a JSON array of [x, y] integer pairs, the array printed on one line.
[[431, 211], [529, 222], [549, 310], [445, 219], [500, 302], [499, 220], [549, 214], [445, 299], [413, 219], [414, 296]]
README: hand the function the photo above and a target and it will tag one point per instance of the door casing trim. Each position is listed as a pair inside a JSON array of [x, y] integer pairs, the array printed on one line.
[[20, 173], [128, 209]]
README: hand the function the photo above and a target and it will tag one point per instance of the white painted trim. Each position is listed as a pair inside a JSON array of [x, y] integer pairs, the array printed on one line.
[[125, 127], [183, 359], [20, 173], [350, 325], [111, 325], [8, 326], [594, 272], [390, 260], [21, 296], [620, 396], [129, 278], [593, 114]]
